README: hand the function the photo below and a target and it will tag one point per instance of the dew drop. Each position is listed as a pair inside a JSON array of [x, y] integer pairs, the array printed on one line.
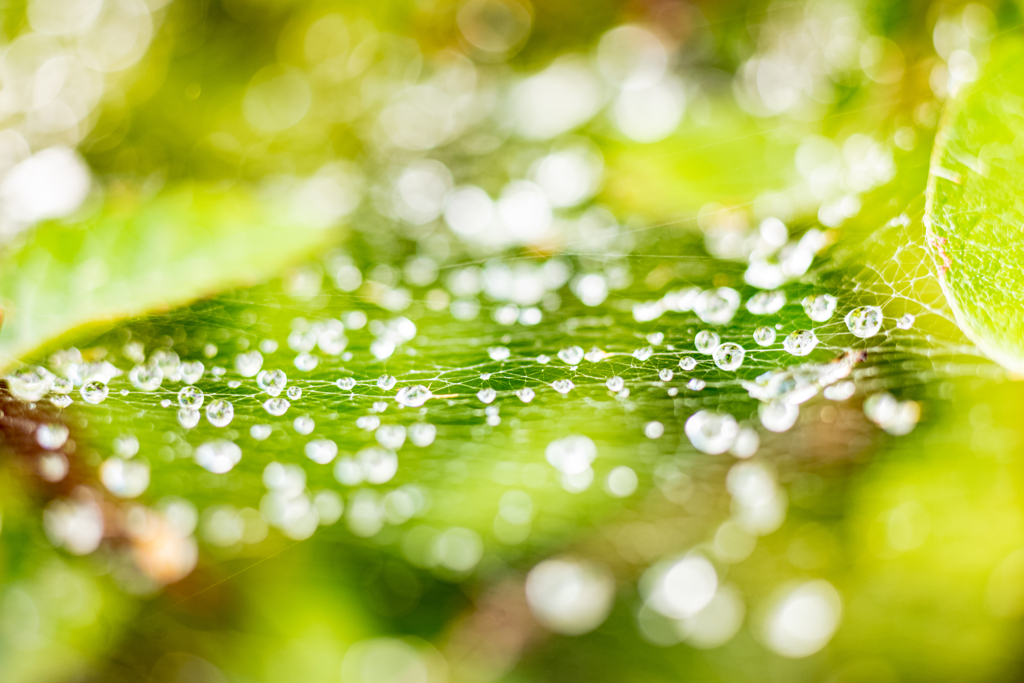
[[656, 338], [717, 306], [304, 424], [413, 396], [687, 363], [696, 384], [61, 401], [260, 432], [543, 360], [706, 341], [615, 383], [386, 382], [51, 436], [94, 392], [778, 415], [220, 413], [499, 353], [391, 436], [711, 432], [321, 451], [422, 434], [191, 397], [276, 406], [595, 355], [525, 394], [906, 321], [819, 307], [563, 386], [249, 363], [192, 371], [729, 356], [62, 385], [654, 430], [571, 355], [306, 362], [487, 395], [764, 336], [188, 417], [146, 377], [865, 321], [294, 392], [766, 303], [643, 353], [666, 375], [346, 383], [272, 381], [379, 406], [800, 342], [218, 456]]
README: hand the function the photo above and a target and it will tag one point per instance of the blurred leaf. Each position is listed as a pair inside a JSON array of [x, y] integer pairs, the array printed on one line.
[[976, 207], [138, 255]]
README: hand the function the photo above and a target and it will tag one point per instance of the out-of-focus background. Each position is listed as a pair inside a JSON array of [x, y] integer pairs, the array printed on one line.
[[414, 341]]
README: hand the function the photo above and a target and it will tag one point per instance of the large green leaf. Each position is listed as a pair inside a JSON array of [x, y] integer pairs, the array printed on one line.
[[139, 255], [976, 208]]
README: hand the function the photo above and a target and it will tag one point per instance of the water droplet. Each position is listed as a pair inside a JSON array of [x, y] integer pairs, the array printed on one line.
[[906, 321], [146, 377], [717, 306], [386, 382], [61, 401], [321, 451], [595, 355], [865, 321], [766, 303], [379, 406], [413, 396], [778, 415], [819, 307], [218, 456], [543, 360], [272, 381], [249, 363], [729, 356], [687, 363], [562, 386], [706, 341], [332, 341], [188, 417], [62, 385], [666, 375], [192, 371], [260, 432], [525, 394], [30, 383], [220, 413], [615, 383], [391, 436], [346, 383], [654, 430], [487, 395], [711, 432], [306, 362], [800, 343], [51, 436], [656, 338], [191, 397], [304, 424], [696, 384], [125, 478], [571, 355], [499, 353], [94, 392], [368, 422], [764, 336], [643, 353], [572, 454]]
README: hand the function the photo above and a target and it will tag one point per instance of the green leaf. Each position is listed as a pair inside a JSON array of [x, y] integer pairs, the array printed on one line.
[[138, 255], [975, 208]]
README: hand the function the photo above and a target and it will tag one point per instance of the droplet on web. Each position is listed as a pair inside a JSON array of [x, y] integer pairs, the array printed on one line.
[[819, 307], [272, 381], [249, 363], [800, 342], [687, 363], [276, 406], [525, 394], [706, 341], [764, 336], [865, 321], [220, 413], [191, 397], [94, 392], [729, 356], [571, 355], [615, 383]]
